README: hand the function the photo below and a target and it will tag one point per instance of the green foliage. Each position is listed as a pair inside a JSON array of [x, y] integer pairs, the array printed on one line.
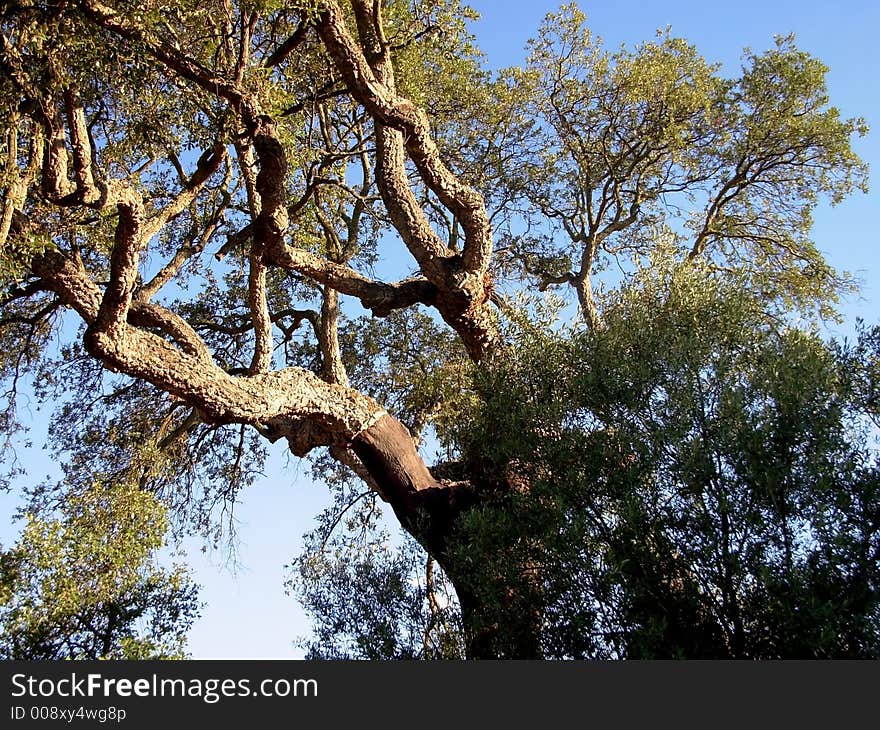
[[17, 254], [694, 482], [407, 362], [85, 585], [366, 606], [630, 143]]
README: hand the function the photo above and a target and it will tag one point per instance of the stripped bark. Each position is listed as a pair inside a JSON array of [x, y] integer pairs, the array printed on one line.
[[129, 332]]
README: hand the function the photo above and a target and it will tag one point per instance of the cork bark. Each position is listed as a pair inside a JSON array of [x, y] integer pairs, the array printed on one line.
[[130, 330]]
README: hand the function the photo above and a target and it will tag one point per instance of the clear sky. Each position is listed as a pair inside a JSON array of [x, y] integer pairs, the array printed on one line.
[[247, 614]]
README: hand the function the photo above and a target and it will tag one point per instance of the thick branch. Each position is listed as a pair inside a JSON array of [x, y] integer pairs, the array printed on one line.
[[287, 47], [380, 297], [146, 314], [270, 224], [55, 182], [379, 98], [461, 280], [292, 403], [584, 288], [17, 182], [408, 217], [128, 243], [82, 149], [188, 68], [332, 368], [388, 453]]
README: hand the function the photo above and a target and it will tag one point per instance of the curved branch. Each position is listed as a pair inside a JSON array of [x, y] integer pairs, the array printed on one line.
[[376, 92], [179, 62], [207, 165], [147, 314], [292, 403], [378, 296], [462, 281]]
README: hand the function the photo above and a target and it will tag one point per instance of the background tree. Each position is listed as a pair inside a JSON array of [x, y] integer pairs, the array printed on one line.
[[189, 188], [702, 481], [86, 585], [652, 140]]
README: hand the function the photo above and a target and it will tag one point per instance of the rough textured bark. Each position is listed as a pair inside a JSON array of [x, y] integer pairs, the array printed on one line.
[[378, 296], [130, 332], [332, 367], [461, 279]]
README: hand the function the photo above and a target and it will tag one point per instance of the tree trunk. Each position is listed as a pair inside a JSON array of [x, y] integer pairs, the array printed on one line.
[[515, 636], [499, 621]]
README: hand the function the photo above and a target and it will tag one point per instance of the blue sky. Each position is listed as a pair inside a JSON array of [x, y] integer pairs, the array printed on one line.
[[247, 613]]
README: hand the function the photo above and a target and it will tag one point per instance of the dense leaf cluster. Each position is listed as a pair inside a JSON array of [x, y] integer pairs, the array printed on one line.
[[695, 480]]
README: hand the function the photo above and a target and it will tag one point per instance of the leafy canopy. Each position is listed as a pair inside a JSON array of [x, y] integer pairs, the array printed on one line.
[[86, 584], [702, 482], [668, 476]]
